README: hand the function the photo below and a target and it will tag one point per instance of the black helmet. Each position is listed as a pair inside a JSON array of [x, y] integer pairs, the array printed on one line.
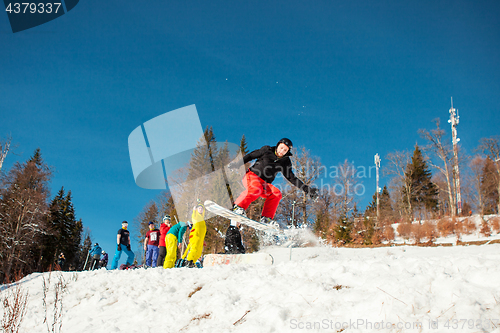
[[288, 143], [96, 244]]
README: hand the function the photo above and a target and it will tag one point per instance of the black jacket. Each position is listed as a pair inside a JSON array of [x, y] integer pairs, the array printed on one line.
[[268, 165], [124, 239], [233, 243]]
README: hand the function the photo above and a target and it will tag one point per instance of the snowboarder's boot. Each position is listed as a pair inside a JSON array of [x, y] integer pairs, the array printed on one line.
[[269, 221], [239, 210], [180, 263], [190, 264]]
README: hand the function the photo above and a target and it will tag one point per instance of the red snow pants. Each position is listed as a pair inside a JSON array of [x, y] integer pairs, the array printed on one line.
[[256, 187]]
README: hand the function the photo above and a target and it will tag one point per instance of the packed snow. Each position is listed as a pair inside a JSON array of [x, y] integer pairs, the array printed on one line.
[[312, 289]]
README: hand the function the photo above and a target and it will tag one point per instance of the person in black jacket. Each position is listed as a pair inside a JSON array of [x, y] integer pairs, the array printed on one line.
[[257, 181], [123, 244], [232, 243]]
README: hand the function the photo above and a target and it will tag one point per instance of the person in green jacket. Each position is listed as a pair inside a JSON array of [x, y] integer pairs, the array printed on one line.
[[173, 240]]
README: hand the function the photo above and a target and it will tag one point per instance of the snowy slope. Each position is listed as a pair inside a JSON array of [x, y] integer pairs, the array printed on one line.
[[316, 289]]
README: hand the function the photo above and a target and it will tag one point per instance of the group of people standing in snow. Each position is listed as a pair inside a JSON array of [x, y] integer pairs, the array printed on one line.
[[161, 245]]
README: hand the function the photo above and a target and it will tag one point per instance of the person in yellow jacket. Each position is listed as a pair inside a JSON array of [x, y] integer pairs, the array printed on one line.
[[173, 240], [196, 236]]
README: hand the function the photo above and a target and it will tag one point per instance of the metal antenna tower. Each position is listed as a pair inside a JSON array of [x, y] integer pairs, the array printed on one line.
[[454, 122], [377, 165]]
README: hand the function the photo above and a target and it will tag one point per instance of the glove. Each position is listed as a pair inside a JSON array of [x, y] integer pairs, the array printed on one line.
[[119, 247], [313, 193], [128, 247]]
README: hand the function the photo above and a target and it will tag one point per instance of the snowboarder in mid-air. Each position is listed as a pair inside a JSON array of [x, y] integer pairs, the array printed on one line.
[[258, 178]]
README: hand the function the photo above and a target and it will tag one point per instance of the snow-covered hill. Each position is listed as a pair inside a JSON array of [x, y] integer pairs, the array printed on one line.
[[316, 289]]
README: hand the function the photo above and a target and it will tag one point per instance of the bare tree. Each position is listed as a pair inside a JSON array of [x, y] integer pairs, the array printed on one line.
[[444, 153], [150, 213], [491, 148], [326, 210], [4, 149], [306, 168], [473, 180]]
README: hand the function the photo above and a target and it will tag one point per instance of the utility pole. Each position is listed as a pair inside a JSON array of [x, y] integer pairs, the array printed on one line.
[[377, 166], [454, 122]]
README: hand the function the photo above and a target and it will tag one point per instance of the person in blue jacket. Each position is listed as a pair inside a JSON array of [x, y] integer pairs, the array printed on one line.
[[173, 240], [96, 256]]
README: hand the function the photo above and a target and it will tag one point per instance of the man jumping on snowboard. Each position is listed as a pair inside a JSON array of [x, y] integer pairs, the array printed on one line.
[[258, 179]]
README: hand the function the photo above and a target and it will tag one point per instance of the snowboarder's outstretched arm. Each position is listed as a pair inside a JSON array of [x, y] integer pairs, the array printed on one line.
[[290, 176]]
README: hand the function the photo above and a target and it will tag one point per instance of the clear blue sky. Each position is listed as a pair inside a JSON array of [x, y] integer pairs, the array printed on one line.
[[346, 79]]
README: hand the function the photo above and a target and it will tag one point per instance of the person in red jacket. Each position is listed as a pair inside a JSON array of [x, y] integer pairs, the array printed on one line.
[[151, 243], [162, 249], [257, 181]]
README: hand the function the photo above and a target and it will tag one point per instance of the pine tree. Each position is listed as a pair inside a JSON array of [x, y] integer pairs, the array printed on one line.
[[385, 206], [322, 219], [86, 246], [249, 235], [369, 225], [243, 145], [343, 230], [64, 233], [423, 192], [207, 180]]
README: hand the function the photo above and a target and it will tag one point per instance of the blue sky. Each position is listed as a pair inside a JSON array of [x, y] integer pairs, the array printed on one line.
[[344, 79]]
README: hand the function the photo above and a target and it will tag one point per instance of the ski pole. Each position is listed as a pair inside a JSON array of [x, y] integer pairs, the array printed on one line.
[[88, 253]]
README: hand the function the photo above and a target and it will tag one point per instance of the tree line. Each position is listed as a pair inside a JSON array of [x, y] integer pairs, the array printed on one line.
[[35, 229], [421, 185]]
